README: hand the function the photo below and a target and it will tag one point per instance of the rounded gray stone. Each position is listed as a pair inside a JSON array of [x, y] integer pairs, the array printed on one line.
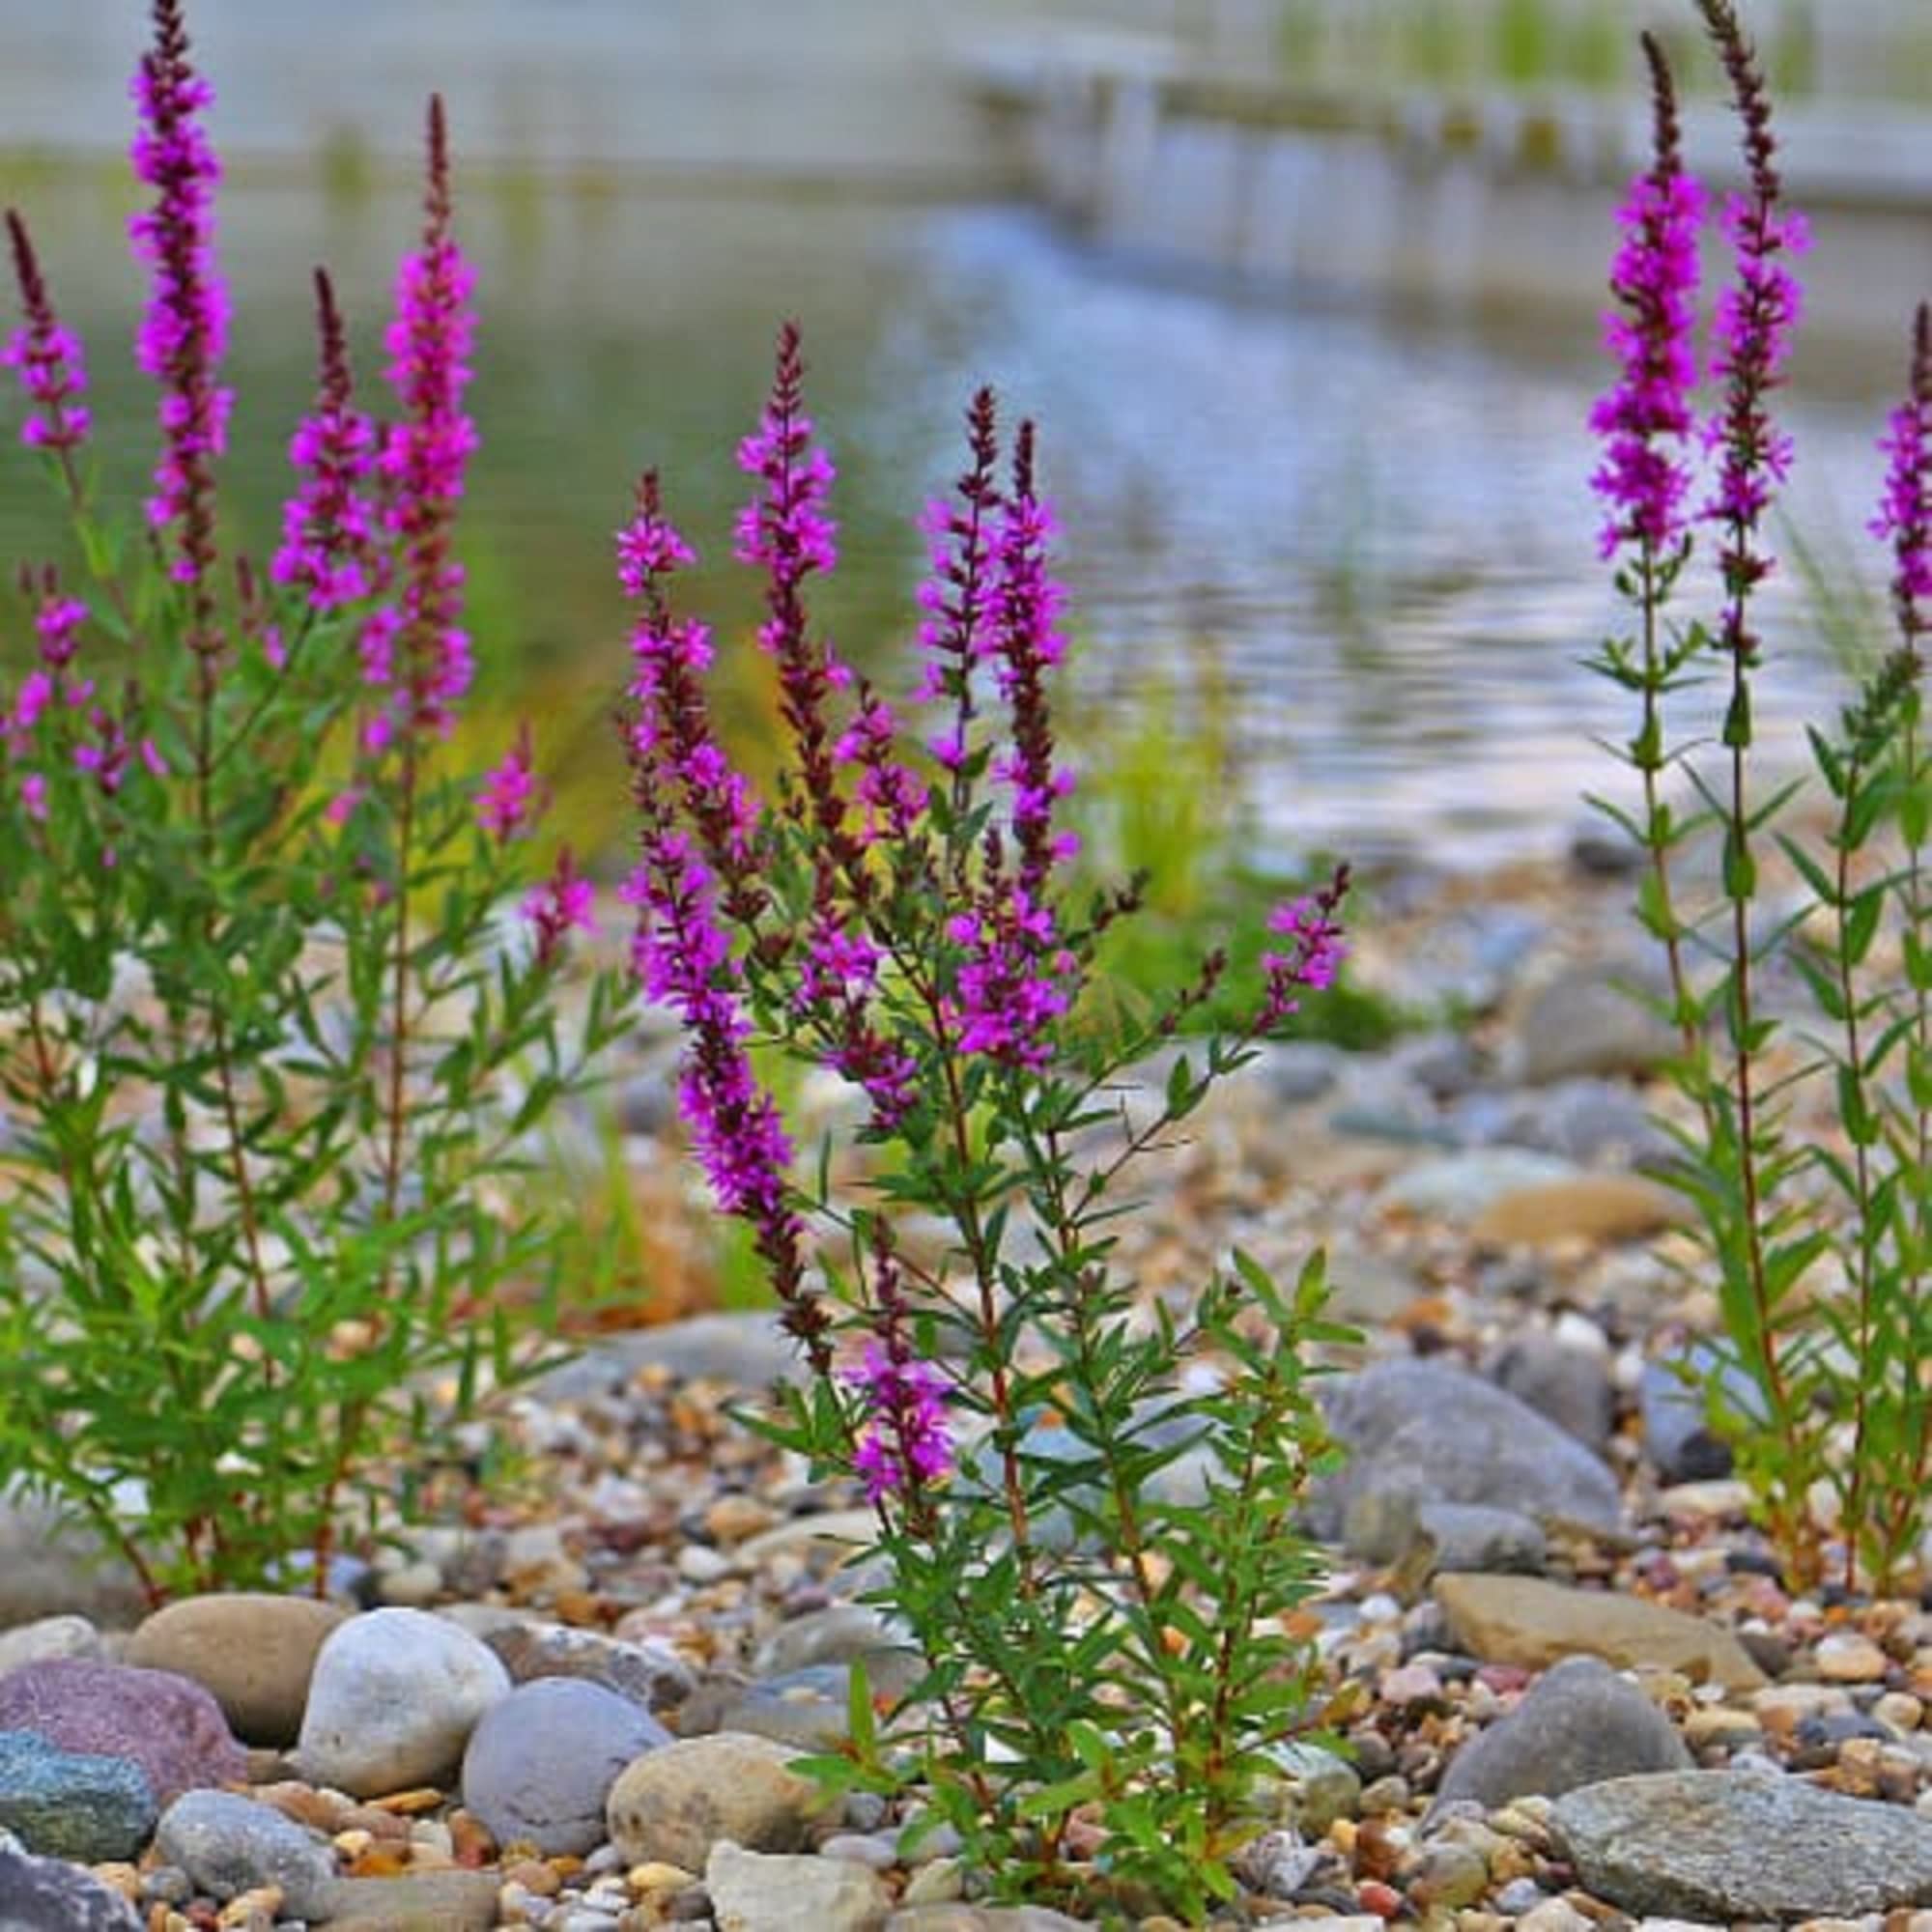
[[1580, 1724], [394, 1700], [72, 1804], [1731, 1844], [230, 1844], [540, 1765]]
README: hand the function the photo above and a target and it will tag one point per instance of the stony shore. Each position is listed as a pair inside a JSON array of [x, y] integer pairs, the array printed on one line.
[[1579, 1691]]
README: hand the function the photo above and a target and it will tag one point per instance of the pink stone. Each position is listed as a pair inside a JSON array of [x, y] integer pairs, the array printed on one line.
[[168, 1726]]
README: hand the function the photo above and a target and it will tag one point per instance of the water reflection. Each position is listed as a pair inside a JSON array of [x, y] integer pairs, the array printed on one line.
[[1380, 522]]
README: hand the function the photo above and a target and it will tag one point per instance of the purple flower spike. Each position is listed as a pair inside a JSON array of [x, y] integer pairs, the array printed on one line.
[[1025, 645], [957, 593], [1655, 282], [421, 646], [53, 370], [184, 330], [566, 900], [1905, 515], [329, 531], [905, 1443], [1315, 955], [509, 801], [1753, 325]]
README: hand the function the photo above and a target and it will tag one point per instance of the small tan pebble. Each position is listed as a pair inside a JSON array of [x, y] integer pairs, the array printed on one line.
[[1717, 1725], [434, 1835], [535, 1876], [1554, 1915], [1874, 1923], [351, 1844], [1848, 1656], [655, 1875], [1900, 1710], [470, 1839], [252, 1911], [409, 1804], [1479, 1921], [387, 1827], [1781, 1708], [125, 1878], [1386, 1794], [1342, 1835], [321, 1811], [938, 1882], [734, 1517]]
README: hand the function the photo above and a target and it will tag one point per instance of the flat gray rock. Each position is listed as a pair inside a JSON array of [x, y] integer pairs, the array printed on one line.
[[50, 1896], [1582, 1723], [762, 1892], [1434, 1431], [1731, 1844]]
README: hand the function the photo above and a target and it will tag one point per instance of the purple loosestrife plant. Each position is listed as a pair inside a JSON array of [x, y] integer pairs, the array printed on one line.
[[270, 1073], [1816, 1386], [1098, 1621]]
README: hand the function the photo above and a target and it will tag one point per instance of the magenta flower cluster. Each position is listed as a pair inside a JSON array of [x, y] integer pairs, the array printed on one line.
[[183, 332], [1314, 955], [904, 1441], [1647, 419], [328, 548], [1904, 518], [415, 648], [57, 715], [49, 355]]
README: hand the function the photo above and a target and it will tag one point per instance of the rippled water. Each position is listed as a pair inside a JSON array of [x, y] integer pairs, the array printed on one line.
[[1377, 525]]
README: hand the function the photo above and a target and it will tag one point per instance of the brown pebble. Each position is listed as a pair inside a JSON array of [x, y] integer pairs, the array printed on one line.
[[534, 1876]]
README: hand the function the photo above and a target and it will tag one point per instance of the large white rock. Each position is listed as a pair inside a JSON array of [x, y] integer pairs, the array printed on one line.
[[394, 1697]]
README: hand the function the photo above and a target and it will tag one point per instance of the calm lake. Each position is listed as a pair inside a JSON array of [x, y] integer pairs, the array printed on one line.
[[1375, 525]]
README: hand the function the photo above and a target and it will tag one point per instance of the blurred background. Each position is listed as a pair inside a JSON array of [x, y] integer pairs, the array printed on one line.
[[1304, 293]]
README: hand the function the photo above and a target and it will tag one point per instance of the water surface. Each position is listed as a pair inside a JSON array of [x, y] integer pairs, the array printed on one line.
[[1376, 523]]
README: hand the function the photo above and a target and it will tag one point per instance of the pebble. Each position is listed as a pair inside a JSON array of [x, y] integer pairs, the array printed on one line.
[[72, 1804], [230, 1845], [255, 1653], [393, 1699], [650, 1674], [1435, 1431], [673, 1804], [51, 1896], [49, 1636], [169, 1726], [1731, 1844], [1846, 1656], [1580, 1724], [539, 1766], [758, 1891], [1536, 1623]]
